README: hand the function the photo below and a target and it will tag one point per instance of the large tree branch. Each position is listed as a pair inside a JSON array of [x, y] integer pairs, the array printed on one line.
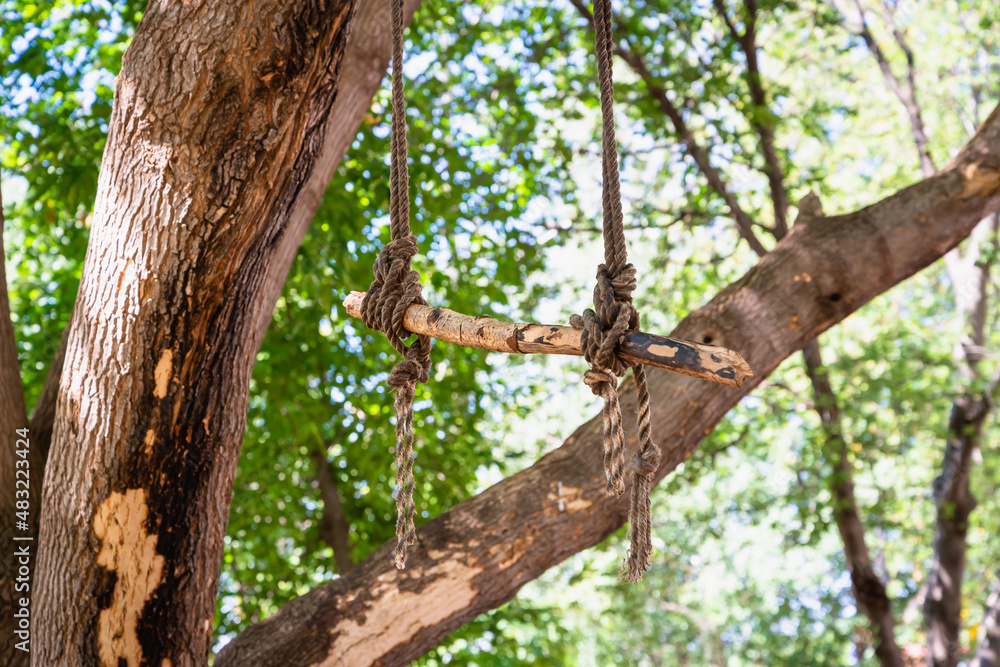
[[477, 555], [12, 417], [638, 64]]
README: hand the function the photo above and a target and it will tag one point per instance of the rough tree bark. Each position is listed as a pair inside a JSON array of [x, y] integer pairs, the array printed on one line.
[[204, 166], [12, 417], [478, 555]]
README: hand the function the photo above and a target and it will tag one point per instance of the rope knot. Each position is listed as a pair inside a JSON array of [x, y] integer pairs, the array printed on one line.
[[646, 461], [414, 368], [601, 382]]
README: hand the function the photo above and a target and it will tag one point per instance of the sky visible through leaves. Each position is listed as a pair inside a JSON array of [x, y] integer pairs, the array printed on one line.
[[505, 171]]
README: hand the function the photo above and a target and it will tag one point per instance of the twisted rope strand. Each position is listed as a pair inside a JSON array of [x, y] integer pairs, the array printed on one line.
[[613, 316], [396, 288]]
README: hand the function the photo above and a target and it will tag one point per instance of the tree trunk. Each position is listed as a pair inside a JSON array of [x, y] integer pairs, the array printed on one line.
[[333, 526], [970, 277], [955, 502], [219, 118], [868, 589], [477, 555]]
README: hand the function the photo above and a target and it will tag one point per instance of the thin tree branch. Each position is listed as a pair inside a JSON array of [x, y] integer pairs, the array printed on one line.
[[659, 94], [758, 98], [907, 93]]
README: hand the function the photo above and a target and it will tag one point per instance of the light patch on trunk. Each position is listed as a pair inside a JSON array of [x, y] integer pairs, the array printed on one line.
[[395, 616], [980, 182], [128, 551], [162, 373], [148, 442], [566, 498]]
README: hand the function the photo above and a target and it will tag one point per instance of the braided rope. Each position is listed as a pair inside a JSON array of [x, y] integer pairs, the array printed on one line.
[[396, 288], [604, 327]]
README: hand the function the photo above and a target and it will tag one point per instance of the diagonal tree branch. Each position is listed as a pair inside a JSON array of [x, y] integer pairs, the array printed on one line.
[[698, 153], [477, 555]]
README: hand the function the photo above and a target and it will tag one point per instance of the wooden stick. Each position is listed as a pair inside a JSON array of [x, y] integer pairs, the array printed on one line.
[[702, 361]]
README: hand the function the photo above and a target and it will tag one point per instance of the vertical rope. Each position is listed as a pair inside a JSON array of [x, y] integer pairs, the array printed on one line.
[[614, 315], [396, 288]]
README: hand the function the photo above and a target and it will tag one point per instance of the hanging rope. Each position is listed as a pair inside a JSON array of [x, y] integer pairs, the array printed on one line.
[[396, 288], [613, 316]]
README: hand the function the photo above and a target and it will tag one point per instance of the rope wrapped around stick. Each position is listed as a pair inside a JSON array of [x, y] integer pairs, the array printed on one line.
[[396, 288], [604, 328]]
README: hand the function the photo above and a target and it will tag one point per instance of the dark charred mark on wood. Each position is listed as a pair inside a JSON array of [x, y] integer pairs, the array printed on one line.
[[434, 316]]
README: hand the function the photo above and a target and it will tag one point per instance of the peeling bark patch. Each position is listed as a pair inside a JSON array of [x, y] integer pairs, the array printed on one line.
[[567, 498], [980, 180], [129, 552], [162, 373], [148, 441], [396, 616]]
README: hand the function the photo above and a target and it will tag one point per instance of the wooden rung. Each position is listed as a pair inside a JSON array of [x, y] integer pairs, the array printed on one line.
[[680, 356]]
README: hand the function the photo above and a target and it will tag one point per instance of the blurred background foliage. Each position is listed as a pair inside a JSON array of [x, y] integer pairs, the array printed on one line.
[[504, 141]]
